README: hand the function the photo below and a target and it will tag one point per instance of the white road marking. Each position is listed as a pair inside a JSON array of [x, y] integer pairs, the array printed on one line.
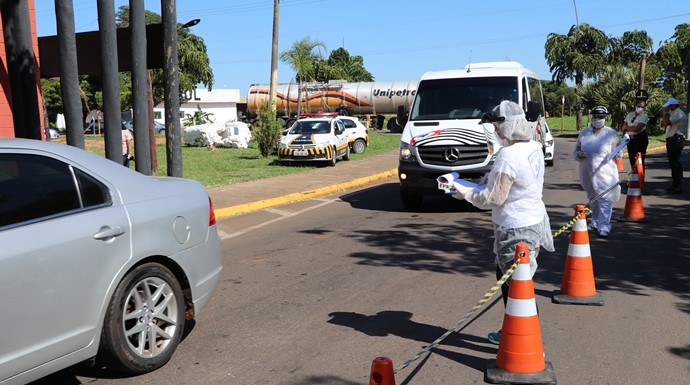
[[285, 214]]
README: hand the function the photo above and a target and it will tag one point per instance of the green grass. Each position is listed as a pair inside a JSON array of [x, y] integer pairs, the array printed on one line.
[[566, 127], [223, 166]]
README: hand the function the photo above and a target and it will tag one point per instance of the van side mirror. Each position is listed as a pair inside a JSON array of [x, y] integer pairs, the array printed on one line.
[[533, 111], [402, 116]]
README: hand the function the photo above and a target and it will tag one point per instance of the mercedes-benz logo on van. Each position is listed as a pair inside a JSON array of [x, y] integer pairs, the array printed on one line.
[[452, 154]]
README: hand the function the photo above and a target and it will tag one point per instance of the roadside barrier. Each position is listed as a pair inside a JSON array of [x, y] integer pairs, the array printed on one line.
[[577, 286], [633, 201], [486, 298], [582, 209], [639, 166], [520, 356], [382, 372]]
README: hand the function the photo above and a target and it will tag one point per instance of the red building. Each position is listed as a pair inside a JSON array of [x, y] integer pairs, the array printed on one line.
[[6, 117]]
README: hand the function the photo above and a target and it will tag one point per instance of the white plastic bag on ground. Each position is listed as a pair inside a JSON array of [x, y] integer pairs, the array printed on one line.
[[231, 134]]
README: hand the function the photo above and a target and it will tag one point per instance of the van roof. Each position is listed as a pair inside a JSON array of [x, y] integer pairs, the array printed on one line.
[[475, 70]]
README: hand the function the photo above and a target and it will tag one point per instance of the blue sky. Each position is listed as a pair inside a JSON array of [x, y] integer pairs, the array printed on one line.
[[399, 40]]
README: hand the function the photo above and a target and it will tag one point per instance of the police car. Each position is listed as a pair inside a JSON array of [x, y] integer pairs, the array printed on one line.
[[315, 139], [359, 135]]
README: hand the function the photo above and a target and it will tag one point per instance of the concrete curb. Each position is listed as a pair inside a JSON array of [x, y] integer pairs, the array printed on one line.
[[301, 196]]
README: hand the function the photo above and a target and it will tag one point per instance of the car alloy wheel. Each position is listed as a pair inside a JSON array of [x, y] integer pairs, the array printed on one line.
[[145, 320], [359, 146]]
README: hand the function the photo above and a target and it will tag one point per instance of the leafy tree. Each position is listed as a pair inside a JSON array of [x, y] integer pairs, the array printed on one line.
[[630, 47], [577, 55], [674, 60], [340, 65], [554, 93], [302, 58], [193, 61], [266, 131]]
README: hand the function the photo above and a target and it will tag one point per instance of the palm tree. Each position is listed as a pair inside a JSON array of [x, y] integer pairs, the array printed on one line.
[[578, 55], [301, 57]]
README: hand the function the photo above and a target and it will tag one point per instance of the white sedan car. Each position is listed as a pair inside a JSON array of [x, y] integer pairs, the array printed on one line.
[[359, 134], [97, 261]]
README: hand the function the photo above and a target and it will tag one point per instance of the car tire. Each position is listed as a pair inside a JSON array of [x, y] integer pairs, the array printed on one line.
[[412, 202], [549, 163], [333, 159], [358, 146], [149, 298], [347, 153]]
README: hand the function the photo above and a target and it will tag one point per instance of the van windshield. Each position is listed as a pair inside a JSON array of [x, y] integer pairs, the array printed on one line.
[[465, 98]]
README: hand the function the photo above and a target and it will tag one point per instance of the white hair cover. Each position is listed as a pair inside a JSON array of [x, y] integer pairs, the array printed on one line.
[[515, 125]]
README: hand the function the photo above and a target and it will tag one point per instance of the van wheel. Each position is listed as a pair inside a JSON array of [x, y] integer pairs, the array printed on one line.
[[358, 146], [412, 202], [549, 163], [347, 153]]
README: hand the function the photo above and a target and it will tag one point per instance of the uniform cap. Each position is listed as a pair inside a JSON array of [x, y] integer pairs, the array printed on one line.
[[670, 102]]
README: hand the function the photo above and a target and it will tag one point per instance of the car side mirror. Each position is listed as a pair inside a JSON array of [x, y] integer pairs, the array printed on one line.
[[533, 111], [402, 116]]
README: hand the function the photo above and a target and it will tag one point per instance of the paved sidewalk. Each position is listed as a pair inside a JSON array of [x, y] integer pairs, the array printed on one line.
[[255, 195]]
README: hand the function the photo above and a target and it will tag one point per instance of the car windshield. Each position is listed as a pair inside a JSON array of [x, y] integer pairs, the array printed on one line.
[[302, 127], [467, 98]]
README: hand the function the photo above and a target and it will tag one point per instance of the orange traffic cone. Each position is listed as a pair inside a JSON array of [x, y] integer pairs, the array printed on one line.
[[520, 358], [633, 202], [382, 372], [639, 166], [619, 164], [577, 286]]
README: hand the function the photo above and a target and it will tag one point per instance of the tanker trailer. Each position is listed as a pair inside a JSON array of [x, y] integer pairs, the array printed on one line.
[[369, 99]]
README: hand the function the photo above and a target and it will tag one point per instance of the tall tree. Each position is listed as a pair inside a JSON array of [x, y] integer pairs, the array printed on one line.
[[302, 58], [630, 47], [193, 60], [674, 60], [578, 55], [340, 65]]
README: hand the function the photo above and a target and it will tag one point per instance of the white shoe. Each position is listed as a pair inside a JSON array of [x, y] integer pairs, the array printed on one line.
[[603, 234], [591, 227]]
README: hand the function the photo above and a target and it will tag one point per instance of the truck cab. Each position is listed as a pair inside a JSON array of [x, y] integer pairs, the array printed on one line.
[[442, 131]]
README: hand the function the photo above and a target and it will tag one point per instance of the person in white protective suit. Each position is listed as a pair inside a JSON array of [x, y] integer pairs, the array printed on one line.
[[598, 171], [513, 192]]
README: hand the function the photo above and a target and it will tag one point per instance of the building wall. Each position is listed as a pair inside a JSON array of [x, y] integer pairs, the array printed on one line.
[[222, 103], [6, 121]]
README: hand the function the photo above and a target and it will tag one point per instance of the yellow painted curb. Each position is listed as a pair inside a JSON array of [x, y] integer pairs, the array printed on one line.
[[301, 196]]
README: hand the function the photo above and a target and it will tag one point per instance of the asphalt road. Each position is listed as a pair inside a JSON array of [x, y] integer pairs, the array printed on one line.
[[313, 291]]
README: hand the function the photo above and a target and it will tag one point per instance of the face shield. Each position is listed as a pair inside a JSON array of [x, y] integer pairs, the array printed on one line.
[[509, 120]]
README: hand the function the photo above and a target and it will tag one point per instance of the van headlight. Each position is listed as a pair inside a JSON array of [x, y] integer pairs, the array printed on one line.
[[406, 152]]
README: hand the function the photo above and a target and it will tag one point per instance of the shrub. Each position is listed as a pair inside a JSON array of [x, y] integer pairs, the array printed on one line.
[[266, 132]]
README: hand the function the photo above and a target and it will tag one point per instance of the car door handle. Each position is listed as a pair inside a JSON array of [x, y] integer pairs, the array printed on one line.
[[108, 232]]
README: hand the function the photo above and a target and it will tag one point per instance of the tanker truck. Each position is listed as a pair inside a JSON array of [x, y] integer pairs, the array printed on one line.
[[370, 100]]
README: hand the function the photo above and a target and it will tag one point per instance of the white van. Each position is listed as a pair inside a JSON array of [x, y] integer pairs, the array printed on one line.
[[442, 133]]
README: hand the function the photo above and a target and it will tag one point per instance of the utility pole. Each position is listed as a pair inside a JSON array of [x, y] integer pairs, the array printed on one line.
[[274, 57]]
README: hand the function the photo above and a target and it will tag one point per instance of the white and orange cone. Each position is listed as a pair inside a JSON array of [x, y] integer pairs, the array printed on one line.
[[639, 166], [520, 358], [634, 211], [577, 286]]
